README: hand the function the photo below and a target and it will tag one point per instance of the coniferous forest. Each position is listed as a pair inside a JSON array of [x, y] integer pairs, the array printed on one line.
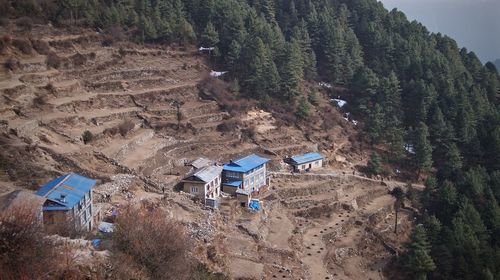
[[407, 84]]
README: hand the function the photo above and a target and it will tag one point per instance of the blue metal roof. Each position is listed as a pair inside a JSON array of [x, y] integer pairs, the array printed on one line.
[[72, 186], [305, 158], [233, 183], [245, 164]]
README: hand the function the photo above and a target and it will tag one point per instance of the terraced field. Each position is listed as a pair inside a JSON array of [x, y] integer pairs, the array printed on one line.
[[143, 106]]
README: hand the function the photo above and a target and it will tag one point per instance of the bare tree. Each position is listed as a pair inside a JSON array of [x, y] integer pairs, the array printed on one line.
[[148, 239], [25, 251]]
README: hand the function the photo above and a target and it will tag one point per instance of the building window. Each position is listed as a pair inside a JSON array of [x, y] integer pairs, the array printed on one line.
[[194, 189]]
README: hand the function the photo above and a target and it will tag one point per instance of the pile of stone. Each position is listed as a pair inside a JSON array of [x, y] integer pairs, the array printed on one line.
[[119, 183], [204, 231]]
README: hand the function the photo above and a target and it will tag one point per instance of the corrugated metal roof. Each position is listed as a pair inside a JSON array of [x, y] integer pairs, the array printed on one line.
[[243, 192], [245, 164], [305, 158], [233, 183], [208, 174], [72, 186], [201, 162]]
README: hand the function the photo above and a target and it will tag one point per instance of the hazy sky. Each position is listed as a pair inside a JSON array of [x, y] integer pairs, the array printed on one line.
[[474, 24]]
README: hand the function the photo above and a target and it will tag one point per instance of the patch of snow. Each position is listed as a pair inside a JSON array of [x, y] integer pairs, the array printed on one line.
[[216, 74], [325, 85], [355, 122], [410, 148], [341, 103], [206, 49]]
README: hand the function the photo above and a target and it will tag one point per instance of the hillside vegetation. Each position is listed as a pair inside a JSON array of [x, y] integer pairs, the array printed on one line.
[[408, 85]]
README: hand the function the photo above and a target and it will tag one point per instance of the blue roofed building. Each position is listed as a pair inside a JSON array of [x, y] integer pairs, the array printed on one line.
[[244, 175], [304, 162], [68, 203]]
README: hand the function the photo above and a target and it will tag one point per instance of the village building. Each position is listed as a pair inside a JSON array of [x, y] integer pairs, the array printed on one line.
[[244, 176], [205, 183], [68, 203], [304, 162]]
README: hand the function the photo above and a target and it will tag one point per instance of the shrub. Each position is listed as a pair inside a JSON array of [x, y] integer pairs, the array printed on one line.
[[40, 101], [121, 52], [25, 23], [111, 131], [3, 20], [78, 59], [228, 125], [42, 47], [24, 45], [248, 133], [50, 88], [4, 42], [12, 64], [53, 60], [87, 137], [148, 239], [125, 127]]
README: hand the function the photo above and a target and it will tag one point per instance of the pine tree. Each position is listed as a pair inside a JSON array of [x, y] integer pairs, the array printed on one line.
[[423, 148], [365, 86], [375, 124], [233, 55], [452, 164], [303, 109], [292, 72], [210, 36], [418, 260], [374, 165], [301, 34], [263, 78], [399, 195], [185, 32]]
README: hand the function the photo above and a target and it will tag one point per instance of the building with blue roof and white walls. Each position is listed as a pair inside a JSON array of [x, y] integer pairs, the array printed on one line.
[[245, 175], [204, 183], [305, 162], [68, 203]]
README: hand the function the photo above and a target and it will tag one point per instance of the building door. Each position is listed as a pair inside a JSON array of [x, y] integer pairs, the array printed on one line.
[[310, 165]]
